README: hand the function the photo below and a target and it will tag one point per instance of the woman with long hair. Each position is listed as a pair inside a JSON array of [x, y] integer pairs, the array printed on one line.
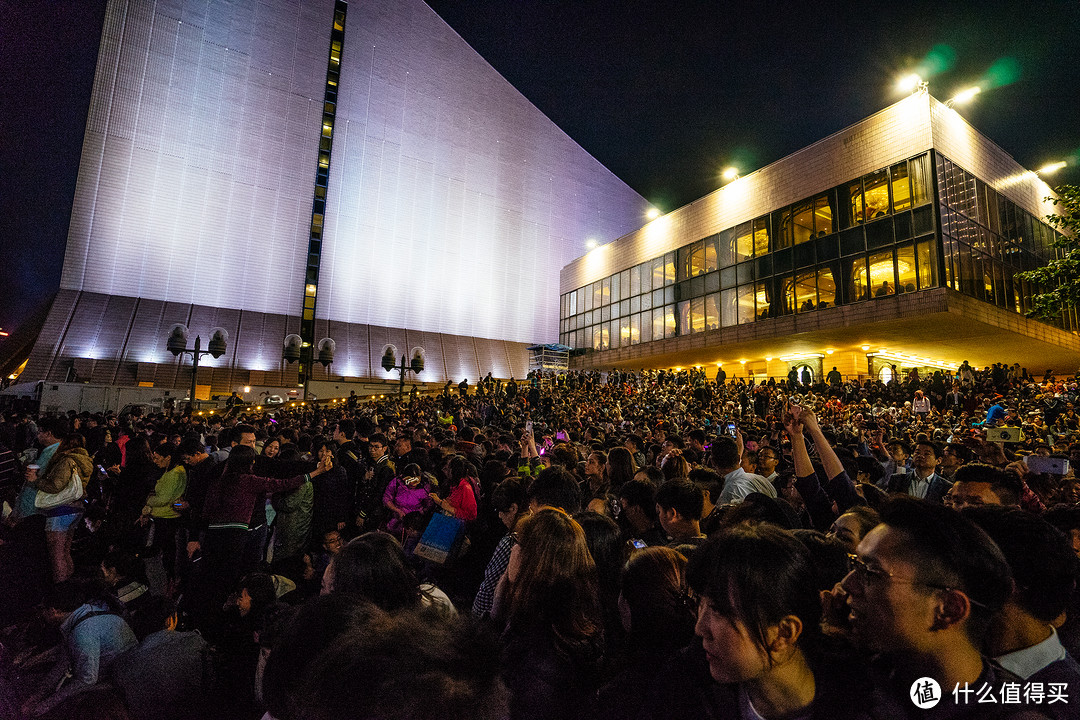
[[373, 567], [620, 468], [657, 623], [759, 620], [69, 460], [461, 503], [554, 630], [161, 504], [227, 511]]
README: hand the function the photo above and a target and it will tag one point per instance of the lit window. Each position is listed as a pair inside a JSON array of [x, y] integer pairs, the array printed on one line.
[[882, 274]]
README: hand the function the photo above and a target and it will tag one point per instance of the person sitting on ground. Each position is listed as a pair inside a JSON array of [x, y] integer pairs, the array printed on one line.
[[162, 678], [94, 635], [373, 567]]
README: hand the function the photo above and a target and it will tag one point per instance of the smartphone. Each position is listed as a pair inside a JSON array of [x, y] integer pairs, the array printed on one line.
[[1052, 465], [528, 426], [731, 429], [561, 436], [639, 544]]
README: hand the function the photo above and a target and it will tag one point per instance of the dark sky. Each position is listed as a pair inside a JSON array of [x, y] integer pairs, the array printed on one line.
[[663, 94]]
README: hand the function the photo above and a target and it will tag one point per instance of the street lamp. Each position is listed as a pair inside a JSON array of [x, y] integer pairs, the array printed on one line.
[[389, 362], [177, 345], [296, 349]]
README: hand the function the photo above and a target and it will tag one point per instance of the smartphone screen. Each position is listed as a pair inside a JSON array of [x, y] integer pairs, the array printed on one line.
[[731, 429]]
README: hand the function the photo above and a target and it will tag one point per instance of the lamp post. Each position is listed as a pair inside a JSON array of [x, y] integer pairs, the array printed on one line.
[[416, 365], [177, 345], [296, 349]]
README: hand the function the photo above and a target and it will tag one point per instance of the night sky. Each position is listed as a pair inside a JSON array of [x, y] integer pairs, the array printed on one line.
[[664, 94]]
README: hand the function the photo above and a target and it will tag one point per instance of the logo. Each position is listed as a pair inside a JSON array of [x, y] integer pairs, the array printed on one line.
[[925, 693]]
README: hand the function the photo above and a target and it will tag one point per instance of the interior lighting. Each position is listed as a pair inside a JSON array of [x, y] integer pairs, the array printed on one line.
[[910, 360], [742, 362], [768, 359], [801, 356], [865, 348], [829, 352], [1051, 168], [247, 389], [652, 213]]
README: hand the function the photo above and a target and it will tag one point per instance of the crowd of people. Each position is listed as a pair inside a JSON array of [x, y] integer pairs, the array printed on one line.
[[651, 544]]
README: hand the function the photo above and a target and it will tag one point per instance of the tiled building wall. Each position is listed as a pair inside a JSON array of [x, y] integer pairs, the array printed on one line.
[[116, 340], [897, 132], [453, 202], [964, 145], [195, 179]]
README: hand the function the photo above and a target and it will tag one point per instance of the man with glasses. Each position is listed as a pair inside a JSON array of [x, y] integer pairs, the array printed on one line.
[[922, 481], [922, 590], [767, 462]]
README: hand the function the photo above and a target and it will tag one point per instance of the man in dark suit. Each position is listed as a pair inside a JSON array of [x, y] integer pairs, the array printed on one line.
[[922, 481]]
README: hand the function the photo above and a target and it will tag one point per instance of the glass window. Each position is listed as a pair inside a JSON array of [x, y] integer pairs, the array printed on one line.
[[901, 189], [613, 334], [635, 280], [616, 286], [657, 273], [906, 278], [635, 329], [853, 213], [669, 321], [596, 345], [744, 272], [987, 278], [761, 235], [876, 194], [925, 255], [806, 291], [746, 304], [573, 302], [645, 326], [743, 242], [882, 274], [626, 335], [712, 311], [605, 291], [710, 253], [712, 282], [635, 304], [604, 312], [785, 231], [624, 307], [802, 222], [823, 215], [646, 301], [658, 323], [691, 260], [919, 169], [826, 285], [729, 312], [683, 317], [697, 315], [587, 293], [763, 296], [624, 284], [856, 279], [725, 248], [669, 269]]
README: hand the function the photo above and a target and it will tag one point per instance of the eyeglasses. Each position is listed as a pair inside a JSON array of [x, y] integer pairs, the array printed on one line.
[[868, 574]]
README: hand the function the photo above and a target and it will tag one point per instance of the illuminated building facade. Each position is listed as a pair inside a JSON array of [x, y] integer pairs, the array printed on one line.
[[894, 241], [345, 170]]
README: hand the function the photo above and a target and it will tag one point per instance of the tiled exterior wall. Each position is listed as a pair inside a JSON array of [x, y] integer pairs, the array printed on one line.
[[116, 340], [967, 147], [196, 172], [897, 132], [453, 202]]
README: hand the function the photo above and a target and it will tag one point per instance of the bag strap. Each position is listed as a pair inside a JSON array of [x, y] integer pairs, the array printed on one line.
[[95, 613]]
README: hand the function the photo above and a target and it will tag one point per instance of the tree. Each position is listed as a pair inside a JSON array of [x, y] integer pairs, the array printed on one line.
[[1061, 276]]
